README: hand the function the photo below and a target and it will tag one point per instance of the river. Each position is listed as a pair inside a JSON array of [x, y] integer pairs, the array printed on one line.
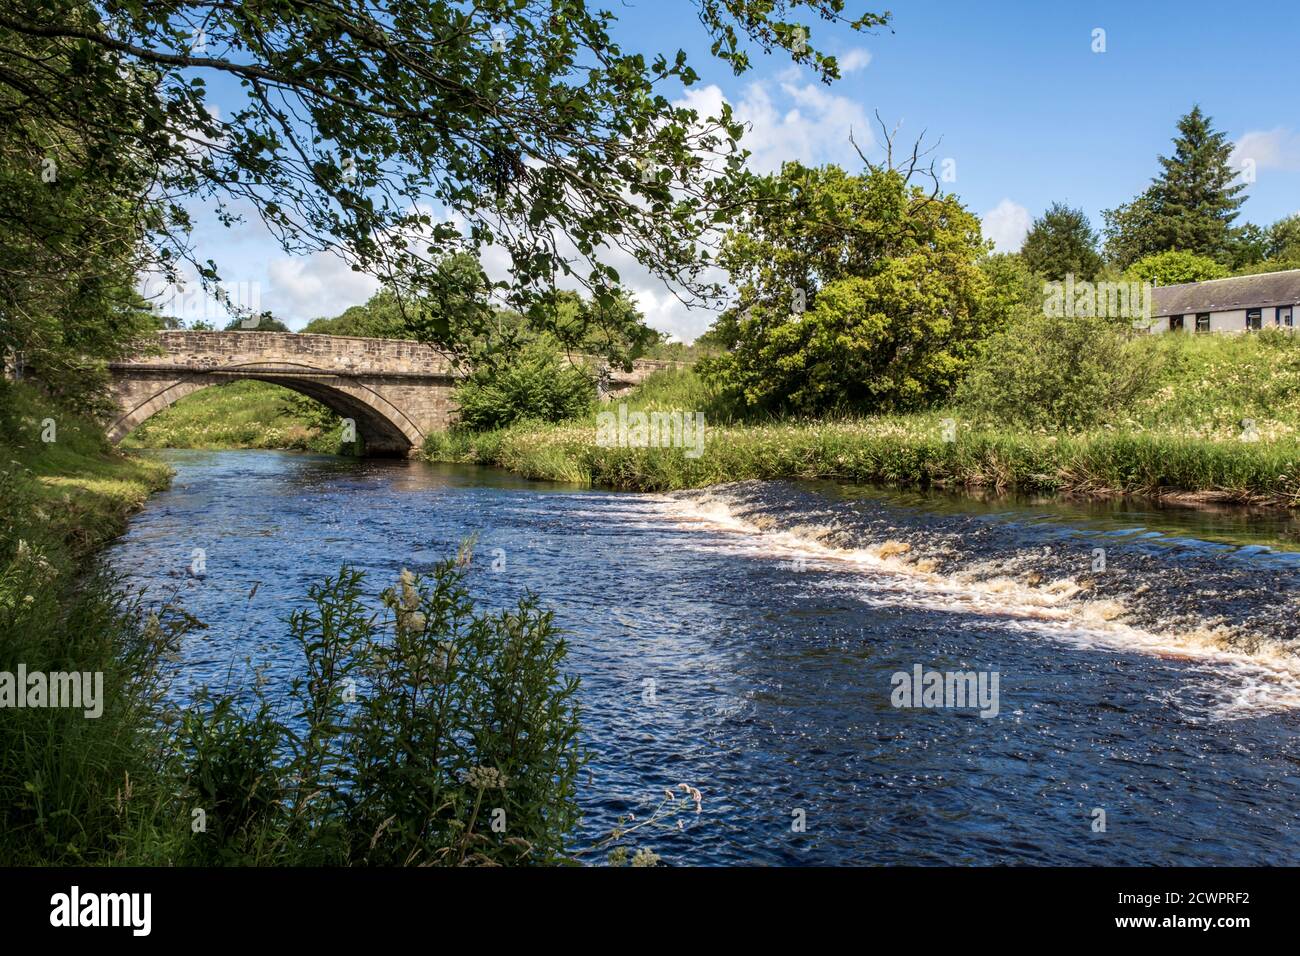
[[744, 640]]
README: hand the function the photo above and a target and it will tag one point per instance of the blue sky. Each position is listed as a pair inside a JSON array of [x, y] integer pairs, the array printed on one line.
[[1012, 93]]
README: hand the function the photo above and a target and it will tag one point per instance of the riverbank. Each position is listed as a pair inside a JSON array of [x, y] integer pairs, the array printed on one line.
[[76, 789], [101, 764], [902, 451], [67, 491], [1220, 426]]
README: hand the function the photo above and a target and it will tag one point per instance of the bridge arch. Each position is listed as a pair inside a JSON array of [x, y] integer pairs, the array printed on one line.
[[384, 429], [396, 390]]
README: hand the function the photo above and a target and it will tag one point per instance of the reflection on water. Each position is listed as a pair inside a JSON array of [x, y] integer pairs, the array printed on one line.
[[771, 619]]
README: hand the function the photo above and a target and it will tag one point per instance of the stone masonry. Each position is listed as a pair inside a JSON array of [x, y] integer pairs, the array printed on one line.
[[396, 391]]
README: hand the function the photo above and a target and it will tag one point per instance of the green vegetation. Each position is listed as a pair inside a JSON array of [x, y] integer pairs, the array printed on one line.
[[424, 721], [72, 789], [856, 294], [1220, 420], [242, 414], [1061, 242], [1189, 206], [433, 736], [1174, 268], [1054, 372], [538, 385]]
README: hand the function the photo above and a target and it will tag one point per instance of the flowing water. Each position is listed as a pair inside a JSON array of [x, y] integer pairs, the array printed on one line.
[[744, 640]]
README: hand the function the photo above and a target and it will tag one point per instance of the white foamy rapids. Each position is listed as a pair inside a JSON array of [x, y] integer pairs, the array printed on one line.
[[1224, 682]]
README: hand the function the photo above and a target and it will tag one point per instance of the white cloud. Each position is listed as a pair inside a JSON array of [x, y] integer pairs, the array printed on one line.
[[1270, 149], [793, 121], [854, 60], [307, 287], [1007, 224]]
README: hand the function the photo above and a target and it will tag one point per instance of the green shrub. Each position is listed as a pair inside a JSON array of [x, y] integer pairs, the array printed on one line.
[[1174, 268], [1059, 373], [425, 734], [537, 385]]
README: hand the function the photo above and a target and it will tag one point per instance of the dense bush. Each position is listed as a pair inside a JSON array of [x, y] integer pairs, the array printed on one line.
[[856, 293], [425, 734], [1176, 268], [538, 384], [1057, 373]]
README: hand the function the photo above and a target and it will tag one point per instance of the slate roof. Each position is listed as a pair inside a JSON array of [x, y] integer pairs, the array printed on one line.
[[1222, 295]]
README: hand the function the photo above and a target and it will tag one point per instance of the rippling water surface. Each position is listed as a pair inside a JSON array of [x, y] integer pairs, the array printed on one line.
[[1146, 658]]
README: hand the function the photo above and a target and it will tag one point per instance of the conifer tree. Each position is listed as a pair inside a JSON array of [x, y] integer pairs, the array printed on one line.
[[1061, 242], [1189, 207]]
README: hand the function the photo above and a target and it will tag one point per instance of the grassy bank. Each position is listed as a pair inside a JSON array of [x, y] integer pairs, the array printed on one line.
[[241, 414], [121, 778], [1184, 439], [67, 495], [73, 789]]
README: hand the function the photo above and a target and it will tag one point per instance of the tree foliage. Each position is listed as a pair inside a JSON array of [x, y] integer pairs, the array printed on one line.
[[856, 292], [1174, 268], [71, 210], [1062, 242], [1189, 206], [394, 133], [537, 384]]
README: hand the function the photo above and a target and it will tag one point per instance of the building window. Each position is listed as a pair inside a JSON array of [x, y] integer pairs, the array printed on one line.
[[1175, 323], [1254, 318], [1284, 317], [1202, 322]]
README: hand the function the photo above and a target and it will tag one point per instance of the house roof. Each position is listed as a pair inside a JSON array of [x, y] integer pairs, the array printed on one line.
[[1220, 295]]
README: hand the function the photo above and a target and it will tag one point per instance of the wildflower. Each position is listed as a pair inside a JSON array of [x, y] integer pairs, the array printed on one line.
[[693, 793], [644, 857], [484, 778], [410, 596]]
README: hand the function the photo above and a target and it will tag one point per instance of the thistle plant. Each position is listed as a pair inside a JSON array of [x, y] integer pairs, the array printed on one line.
[[423, 734]]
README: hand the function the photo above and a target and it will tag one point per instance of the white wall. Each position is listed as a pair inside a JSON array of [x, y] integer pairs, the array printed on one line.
[[1231, 320]]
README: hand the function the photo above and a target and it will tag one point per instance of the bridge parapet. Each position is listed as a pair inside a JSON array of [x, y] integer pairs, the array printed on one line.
[[205, 351]]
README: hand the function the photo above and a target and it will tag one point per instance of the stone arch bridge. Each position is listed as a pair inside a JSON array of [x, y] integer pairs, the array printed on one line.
[[395, 390]]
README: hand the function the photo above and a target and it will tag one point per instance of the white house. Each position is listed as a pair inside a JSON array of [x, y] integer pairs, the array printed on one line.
[[1240, 304]]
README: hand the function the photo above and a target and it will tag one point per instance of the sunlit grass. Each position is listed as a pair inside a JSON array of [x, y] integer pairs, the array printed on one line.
[[1192, 444], [241, 414]]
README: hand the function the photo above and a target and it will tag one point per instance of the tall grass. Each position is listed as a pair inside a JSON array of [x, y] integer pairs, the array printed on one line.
[[75, 789], [1190, 443]]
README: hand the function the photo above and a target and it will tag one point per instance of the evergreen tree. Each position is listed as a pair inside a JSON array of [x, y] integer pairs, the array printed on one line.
[[1284, 238], [1061, 242], [1189, 207]]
